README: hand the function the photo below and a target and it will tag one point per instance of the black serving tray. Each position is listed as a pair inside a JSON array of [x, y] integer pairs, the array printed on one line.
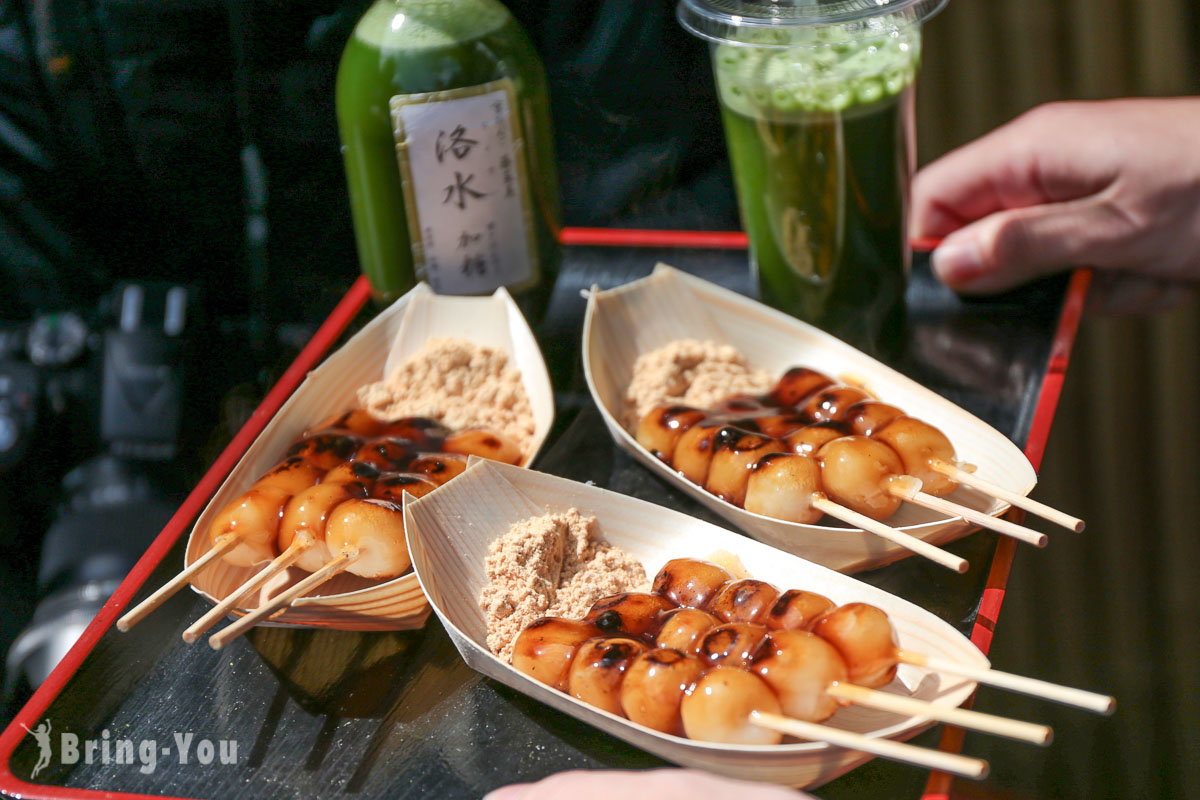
[[396, 715]]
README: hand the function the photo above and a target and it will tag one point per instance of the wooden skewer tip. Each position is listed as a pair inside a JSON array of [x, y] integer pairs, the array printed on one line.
[[280, 602], [907, 541], [965, 474], [135, 615], [952, 763]]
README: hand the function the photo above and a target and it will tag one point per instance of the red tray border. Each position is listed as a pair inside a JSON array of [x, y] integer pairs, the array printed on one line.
[[939, 785]]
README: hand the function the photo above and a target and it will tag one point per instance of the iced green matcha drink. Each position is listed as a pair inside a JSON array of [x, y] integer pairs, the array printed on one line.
[[818, 118]]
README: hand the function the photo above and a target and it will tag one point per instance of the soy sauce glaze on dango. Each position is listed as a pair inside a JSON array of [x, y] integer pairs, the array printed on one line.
[[362, 472], [745, 404], [680, 669], [291, 475], [803, 413], [690, 581], [386, 454], [831, 403], [684, 628], [545, 648], [654, 687], [775, 426], [795, 386], [919, 444], [796, 609], [745, 600], [636, 614], [392, 486], [325, 450], [306, 515], [735, 452], [869, 416], [694, 451], [357, 421], [731, 644], [660, 429], [483, 443], [597, 670], [808, 440], [438, 467]]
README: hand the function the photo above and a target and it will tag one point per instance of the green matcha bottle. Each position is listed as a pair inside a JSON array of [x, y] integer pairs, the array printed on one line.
[[445, 126]]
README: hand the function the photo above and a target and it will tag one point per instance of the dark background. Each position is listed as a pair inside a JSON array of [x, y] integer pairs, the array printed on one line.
[[137, 136]]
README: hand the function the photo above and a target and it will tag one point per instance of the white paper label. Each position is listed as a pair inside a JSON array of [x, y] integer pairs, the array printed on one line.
[[463, 167]]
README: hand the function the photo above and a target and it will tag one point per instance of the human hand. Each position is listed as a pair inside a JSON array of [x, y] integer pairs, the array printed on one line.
[[1113, 185], [606, 784]]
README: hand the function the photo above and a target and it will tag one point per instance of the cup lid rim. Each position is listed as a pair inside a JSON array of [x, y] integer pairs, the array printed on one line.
[[715, 20]]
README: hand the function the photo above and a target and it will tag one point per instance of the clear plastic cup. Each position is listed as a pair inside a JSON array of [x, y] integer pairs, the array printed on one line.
[[817, 102]]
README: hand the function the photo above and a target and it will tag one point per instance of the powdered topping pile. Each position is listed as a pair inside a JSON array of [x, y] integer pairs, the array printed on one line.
[[550, 566], [459, 383], [690, 372]]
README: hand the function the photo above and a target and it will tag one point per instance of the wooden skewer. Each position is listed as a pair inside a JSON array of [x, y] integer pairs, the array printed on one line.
[[338, 564], [957, 473], [221, 546], [1080, 698], [910, 490], [962, 717], [918, 546], [897, 751], [281, 562]]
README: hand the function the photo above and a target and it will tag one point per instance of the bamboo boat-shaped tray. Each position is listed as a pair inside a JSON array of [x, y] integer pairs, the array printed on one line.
[[448, 536], [644, 315], [349, 602]]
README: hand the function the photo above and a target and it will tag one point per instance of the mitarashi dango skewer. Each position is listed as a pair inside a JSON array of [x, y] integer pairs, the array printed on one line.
[[753, 470], [353, 450], [732, 705], [925, 451], [243, 534], [962, 475], [718, 458], [809, 675], [792, 487], [811, 679], [301, 540], [929, 456], [366, 537], [634, 633], [861, 632], [804, 396], [869, 476], [301, 536], [864, 635], [675, 692]]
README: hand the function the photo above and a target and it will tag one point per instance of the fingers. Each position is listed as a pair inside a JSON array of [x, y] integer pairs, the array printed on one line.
[[1011, 247], [606, 784], [1024, 163]]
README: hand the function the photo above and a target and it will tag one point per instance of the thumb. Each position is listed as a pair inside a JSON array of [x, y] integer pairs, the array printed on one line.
[[1008, 248]]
